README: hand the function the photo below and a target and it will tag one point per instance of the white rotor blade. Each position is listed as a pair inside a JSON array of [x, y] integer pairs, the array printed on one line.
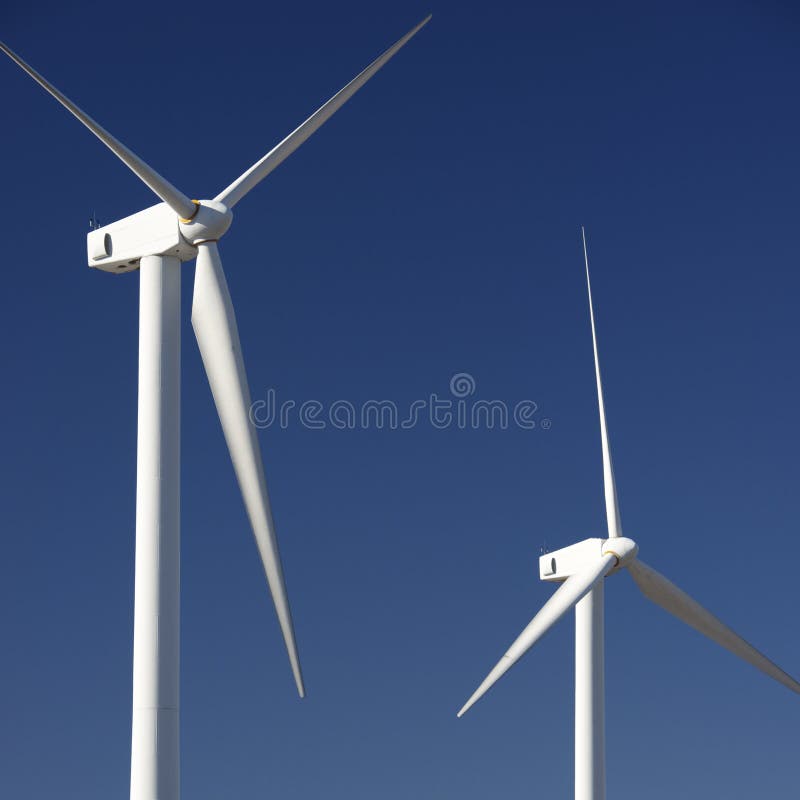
[[609, 486], [214, 326], [244, 183], [568, 594], [174, 198], [664, 593]]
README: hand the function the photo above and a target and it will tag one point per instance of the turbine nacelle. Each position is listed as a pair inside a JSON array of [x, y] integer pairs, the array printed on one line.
[[120, 246], [156, 231], [562, 564]]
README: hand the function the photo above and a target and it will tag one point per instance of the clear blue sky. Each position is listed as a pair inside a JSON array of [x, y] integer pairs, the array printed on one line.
[[432, 227]]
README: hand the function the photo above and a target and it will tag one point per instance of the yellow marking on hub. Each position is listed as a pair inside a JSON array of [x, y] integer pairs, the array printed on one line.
[[196, 209]]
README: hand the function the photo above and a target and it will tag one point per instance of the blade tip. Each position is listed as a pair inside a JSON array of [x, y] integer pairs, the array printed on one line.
[[418, 27], [467, 706]]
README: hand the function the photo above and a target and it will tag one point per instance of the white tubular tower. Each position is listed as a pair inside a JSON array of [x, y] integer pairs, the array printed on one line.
[[155, 769], [590, 747]]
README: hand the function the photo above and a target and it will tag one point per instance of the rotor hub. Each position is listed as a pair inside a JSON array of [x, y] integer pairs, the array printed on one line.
[[210, 221], [622, 548]]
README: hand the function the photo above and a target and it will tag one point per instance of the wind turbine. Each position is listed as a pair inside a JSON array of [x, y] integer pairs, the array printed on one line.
[[582, 569], [157, 241]]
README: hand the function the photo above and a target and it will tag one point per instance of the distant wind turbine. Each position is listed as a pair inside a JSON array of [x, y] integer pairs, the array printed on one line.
[[582, 569], [156, 241]]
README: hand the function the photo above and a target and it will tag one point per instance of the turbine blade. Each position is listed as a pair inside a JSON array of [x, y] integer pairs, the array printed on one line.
[[244, 183], [664, 593], [214, 326], [609, 486], [567, 595], [174, 198]]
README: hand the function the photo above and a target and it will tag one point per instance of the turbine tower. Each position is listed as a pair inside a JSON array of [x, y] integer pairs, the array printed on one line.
[[581, 569], [156, 242]]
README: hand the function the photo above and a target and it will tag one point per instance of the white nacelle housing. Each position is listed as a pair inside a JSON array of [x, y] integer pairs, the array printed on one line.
[[118, 247], [560, 564]]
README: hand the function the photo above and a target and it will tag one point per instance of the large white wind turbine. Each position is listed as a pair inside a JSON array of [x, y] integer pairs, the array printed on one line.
[[582, 569], [156, 241]]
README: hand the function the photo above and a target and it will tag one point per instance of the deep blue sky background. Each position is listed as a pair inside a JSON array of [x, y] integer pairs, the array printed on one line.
[[431, 227]]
